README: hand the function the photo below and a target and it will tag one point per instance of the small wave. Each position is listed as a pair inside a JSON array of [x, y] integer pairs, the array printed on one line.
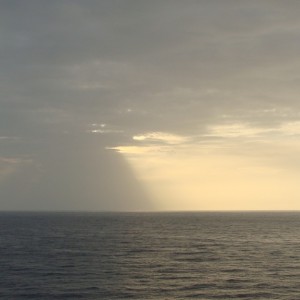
[[198, 286]]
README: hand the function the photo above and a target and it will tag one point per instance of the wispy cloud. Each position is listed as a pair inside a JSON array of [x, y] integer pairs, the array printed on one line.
[[162, 137], [236, 130]]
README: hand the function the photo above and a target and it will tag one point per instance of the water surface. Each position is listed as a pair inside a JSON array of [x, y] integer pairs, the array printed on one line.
[[150, 255]]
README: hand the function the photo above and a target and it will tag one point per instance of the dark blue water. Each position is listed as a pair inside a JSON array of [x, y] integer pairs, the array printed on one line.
[[150, 256]]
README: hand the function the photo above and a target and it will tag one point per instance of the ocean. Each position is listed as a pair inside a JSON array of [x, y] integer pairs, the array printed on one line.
[[198, 255]]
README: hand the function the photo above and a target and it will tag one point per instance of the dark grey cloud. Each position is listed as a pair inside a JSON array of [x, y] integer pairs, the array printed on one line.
[[131, 50], [71, 174], [142, 66]]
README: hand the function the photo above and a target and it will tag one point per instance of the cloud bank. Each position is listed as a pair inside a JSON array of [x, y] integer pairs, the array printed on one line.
[[137, 77]]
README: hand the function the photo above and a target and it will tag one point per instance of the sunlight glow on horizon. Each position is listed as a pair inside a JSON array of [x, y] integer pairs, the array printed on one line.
[[234, 174]]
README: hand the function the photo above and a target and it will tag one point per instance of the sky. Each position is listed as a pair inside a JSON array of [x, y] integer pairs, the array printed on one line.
[[137, 105]]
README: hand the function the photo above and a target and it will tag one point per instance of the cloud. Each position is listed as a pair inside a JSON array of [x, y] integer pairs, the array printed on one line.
[[10, 166], [290, 128], [160, 137], [92, 60], [160, 75], [137, 150], [71, 173], [237, 130]]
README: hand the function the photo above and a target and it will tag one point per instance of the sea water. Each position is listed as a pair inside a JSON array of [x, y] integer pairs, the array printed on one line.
[[205, 255]]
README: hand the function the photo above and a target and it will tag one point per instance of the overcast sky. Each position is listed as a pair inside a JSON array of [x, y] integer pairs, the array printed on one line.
[[137, 105]]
